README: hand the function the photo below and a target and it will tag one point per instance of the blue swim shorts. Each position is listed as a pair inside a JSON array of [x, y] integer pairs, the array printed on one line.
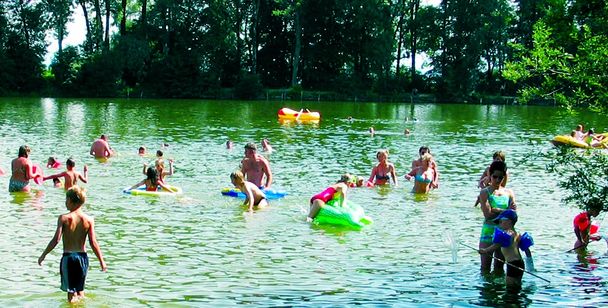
[[73, 271]]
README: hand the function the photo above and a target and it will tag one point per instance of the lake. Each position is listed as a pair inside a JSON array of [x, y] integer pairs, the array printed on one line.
[[203, 249]]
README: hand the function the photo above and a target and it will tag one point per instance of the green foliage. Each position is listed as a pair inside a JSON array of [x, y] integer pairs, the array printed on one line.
[[248, 87], [571, 80], [582, 175]]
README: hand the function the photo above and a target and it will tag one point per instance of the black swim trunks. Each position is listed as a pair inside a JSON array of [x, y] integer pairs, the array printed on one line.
[[514, 272]]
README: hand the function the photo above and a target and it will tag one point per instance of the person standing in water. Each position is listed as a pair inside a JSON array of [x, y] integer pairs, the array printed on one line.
[[494, 200], [100, 148], [22, 171], [254, 166]]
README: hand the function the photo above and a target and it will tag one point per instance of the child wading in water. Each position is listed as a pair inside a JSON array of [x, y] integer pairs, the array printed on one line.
[[70, 177], [254, 196], [75, 227], [509, 241], [582, 225]]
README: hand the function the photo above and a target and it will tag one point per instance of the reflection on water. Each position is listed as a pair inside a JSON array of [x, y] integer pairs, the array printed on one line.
[[203, 249]]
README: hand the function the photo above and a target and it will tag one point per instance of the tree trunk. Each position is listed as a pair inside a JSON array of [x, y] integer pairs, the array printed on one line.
[[107, 32], [297, 47], [254, 36], [239, 41], [60, 35], [87, 24], [123, 21], [98, 25], [414, 37], [399, 37], [144, 7]]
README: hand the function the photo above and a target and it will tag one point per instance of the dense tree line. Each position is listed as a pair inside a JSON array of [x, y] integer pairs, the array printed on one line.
[[207, 48]]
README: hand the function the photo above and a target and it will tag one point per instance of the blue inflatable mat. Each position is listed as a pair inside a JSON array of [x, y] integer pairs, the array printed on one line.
[[270, 193]]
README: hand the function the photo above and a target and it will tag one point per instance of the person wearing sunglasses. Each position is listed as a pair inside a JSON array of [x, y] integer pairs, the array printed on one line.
[[494, 200]]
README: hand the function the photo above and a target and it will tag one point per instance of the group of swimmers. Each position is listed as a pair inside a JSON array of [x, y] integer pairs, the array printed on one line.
[[498, 240]]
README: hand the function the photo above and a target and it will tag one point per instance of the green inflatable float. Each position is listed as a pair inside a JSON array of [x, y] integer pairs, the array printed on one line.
[[350, 215]]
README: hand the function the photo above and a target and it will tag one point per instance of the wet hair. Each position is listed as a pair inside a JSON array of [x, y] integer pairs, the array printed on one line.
[[70, 162], [152, 175], [24, 151], [590, 131], [159, 153], [498, 166], [345, 178], [424, 148], [380, 152], [595, 204], [141, 149], [579, 127], [573, 133], [76, 195], [499, 154], [237, 175], [251, 146], [104, 137], [52, 160]]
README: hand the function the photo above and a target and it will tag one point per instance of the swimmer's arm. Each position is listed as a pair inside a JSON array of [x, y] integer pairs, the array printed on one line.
[[249, 200], [490, 249], [393, 174], [268, 173], [373, 175], [485, 206], [138, 184], [54, 176], [145, 168], [163, 186], [170, 168], [512, 204], [411, 174], [95, 246], [54, 241], [85, 171]]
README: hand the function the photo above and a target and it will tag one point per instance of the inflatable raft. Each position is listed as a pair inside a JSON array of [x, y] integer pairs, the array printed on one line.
[[567, 140], [270, 193], [286, 114], [141, 191], [350, 215]]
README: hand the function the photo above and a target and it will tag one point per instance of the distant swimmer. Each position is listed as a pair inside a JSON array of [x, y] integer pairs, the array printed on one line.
[[229, 144], [266, 145], [254, 166], [101, 148], [53, 163], [141, 151]]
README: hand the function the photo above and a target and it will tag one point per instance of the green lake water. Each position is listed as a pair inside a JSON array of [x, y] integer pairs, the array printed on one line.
[[202, 249]]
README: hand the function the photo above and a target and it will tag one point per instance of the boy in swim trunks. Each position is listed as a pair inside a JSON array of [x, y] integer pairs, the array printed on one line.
[[509, 242], [254, 196], [75, 227]]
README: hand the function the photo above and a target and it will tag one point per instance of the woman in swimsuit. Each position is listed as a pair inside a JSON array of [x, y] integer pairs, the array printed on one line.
[[152, 181], [334, 192], [384, 171], [423, 175], [418, 163], [494, 200], [22, 171]]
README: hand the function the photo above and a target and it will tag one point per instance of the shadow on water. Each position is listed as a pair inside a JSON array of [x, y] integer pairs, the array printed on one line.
[[493, 293]]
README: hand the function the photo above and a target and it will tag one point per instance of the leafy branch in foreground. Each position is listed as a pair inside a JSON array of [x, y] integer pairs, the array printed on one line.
[[583, 174]]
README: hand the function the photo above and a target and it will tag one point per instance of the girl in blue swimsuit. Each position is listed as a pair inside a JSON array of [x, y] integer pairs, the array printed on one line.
[[494, 200], [423, 175]]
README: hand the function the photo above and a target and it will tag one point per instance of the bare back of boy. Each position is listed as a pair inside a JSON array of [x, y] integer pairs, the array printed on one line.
[[75, 228], [259, 198]]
